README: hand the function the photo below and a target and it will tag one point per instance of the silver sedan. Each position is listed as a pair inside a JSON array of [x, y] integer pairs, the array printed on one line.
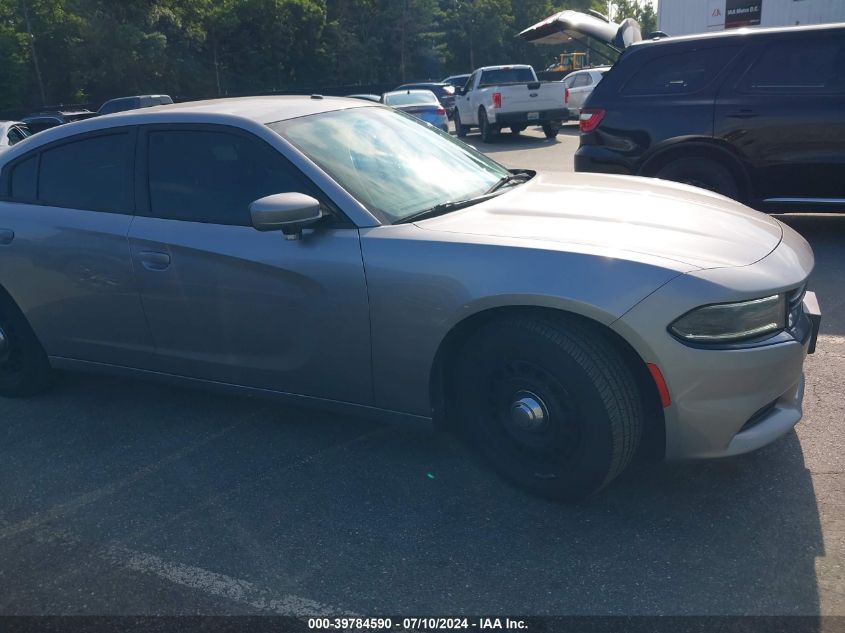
[[339, 253]]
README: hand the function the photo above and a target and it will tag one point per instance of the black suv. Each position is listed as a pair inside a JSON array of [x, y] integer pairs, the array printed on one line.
[[757, 115]]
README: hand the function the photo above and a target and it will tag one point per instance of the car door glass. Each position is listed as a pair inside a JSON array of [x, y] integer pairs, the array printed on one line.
[[24, 177], [93, 173], [15, 136], [682, 73], [212, 177], [799, 66]]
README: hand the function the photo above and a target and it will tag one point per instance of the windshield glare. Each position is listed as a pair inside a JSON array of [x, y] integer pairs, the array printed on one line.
[[392, 163]]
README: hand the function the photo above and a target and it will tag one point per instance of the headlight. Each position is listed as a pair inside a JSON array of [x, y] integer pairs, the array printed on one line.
[[729, 322]]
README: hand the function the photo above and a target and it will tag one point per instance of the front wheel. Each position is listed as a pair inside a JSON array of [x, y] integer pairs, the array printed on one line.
[[550, 130], [701, 172], [24, 368], [549, 403]]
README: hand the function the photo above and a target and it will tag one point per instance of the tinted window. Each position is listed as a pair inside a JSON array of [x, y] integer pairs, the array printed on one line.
[[16, 135], [212, 177], [503, 76], [24, 178], [680, 73], [119, 105], [803, 66], [39, 125], [93, 173]]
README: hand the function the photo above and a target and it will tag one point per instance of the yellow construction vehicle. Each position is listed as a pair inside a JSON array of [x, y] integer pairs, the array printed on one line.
[[568, 62]]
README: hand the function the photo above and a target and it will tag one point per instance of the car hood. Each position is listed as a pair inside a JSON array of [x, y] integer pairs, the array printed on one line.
[[619, 215]]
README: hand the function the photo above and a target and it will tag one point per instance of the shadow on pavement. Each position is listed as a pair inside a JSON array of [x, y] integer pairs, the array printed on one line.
[[826, 234], [389, 519]]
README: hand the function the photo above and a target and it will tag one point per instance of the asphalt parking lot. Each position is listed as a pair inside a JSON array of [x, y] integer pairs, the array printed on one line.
[[124, 497]]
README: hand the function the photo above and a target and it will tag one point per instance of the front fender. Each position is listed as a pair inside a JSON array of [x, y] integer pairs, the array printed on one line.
[[421, 286]]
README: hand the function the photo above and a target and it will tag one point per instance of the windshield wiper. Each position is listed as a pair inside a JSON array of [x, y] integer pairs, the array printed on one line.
[[514, 178], [445, 207]]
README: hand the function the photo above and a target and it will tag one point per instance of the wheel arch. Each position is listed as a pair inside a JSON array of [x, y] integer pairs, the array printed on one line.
[[653, 442], [685, 147]]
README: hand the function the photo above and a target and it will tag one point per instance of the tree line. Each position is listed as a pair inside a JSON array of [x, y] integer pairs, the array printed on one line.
[[87, 51]]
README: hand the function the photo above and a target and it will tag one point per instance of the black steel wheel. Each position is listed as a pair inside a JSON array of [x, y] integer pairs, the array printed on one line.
[[549, 403]]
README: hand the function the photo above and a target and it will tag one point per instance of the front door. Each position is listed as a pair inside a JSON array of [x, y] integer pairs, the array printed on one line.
[[228, 303]]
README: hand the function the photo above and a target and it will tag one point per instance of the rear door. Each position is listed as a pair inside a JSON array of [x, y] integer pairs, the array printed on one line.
[[231, 304], [784, 111], [64, 253]]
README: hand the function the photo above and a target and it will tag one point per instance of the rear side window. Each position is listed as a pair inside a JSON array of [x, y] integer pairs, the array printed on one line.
[[582, 80], [93, 173], [798, 66], [682, 73], [212, 177], [24, 178]]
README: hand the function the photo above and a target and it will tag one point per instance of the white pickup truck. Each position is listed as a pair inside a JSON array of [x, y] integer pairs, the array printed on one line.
[[496, 97]]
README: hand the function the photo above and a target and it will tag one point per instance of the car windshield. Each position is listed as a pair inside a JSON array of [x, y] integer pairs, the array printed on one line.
[[420, 97], [392, 163], [501, 76]]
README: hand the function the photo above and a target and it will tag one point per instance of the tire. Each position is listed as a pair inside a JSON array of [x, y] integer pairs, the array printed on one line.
[[488, 132], [590, 411], [550, 130], [701, 172], [460, 129], [517, 129], [24, 368]]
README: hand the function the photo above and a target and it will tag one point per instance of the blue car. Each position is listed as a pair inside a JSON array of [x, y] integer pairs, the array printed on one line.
[[422, 104]]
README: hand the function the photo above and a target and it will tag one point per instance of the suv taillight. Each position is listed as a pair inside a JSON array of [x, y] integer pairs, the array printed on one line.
[[566, 95], [590, 119], [497, 99]]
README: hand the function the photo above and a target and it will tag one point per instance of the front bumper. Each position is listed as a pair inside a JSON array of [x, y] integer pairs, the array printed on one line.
[[736, 399]]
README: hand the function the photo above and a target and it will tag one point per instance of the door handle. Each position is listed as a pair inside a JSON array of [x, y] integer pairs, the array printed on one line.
[[742, 114], [6, 236], [153, 260]]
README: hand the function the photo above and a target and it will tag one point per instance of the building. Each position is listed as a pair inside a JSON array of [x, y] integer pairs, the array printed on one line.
[[682, 17]]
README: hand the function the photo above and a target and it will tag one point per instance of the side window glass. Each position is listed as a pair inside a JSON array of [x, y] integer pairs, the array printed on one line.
[[23, 179], [93, 173], [212, 177], [798, 66], [15, 136], [682, 73]]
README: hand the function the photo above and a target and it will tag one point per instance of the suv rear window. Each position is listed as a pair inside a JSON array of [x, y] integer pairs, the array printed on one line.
[[680, 73]]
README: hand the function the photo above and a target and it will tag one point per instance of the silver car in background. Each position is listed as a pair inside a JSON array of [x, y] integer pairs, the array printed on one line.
[[338, 253]]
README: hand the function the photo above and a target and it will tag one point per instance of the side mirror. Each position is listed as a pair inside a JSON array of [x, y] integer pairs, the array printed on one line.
[[286, 212]]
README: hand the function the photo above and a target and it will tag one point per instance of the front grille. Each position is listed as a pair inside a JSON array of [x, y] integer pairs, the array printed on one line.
[[795, 300]]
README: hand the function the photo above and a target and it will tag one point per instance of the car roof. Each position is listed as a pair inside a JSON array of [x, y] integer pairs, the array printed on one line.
[[587, 70], [260, 110], [737, 33], [504, 67]]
